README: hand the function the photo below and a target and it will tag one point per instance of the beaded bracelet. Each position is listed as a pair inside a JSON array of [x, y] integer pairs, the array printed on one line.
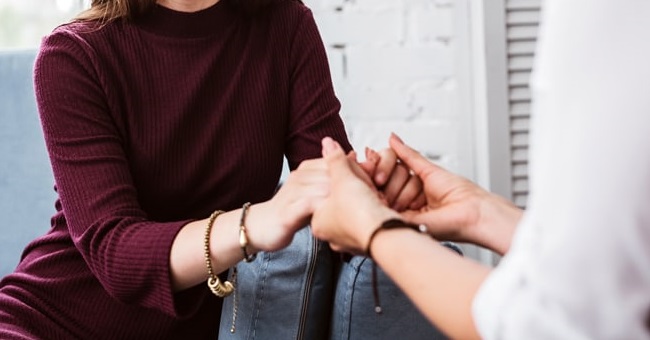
[[216, 286], [393, 223], [243, 238]]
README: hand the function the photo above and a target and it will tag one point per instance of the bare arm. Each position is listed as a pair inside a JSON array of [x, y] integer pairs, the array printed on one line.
[[270, 226], [438, 281]]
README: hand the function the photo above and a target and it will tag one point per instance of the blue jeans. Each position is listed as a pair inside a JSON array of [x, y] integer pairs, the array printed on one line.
[[301, 293], [281, 295], [354, 317]]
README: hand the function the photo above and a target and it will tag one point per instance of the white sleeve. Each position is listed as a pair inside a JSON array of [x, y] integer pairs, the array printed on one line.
[[579, 266]]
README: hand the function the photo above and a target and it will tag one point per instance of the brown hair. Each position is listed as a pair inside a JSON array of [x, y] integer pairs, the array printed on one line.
[[104, 11], [108, 10]]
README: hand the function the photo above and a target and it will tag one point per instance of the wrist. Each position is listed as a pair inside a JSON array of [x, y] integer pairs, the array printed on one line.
[[371, 222], [256, 213], [244, 242], [496, 232], [225, 248], [392, 223]]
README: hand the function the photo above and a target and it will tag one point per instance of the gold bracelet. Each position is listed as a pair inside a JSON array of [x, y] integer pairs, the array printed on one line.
[[216, 286], [243, 238]]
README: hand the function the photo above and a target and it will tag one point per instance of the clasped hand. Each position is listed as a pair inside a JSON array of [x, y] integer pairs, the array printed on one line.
[[347, 200], [400, 182]]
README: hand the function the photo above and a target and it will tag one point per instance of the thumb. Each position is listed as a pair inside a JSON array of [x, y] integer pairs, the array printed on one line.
[[369, 165], [413, 159], [330, 148], [341, 166], [337, 161]]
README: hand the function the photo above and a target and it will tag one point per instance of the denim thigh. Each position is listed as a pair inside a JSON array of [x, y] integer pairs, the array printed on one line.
[[353, 314]]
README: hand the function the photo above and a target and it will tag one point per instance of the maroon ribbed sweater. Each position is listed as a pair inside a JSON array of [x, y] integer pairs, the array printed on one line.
[[150, 125]]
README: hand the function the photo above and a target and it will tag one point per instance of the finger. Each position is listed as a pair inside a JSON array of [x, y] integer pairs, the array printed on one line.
[[382, 198], [358, 169], [339, 165], [331, 148], [352, 155], [370, 164], [398, 179], [411, 158], [385, 166], [419, 202], [409, 193], [336, 248]]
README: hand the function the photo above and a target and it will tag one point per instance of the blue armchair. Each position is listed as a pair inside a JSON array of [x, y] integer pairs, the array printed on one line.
[[26, 181]]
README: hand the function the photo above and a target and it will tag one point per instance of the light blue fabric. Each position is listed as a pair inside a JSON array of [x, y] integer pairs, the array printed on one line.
[[306, 292], [26, 181], [354, 317], [282, 295]]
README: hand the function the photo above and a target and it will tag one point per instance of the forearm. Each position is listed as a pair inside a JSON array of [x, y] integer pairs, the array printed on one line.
[[440, 283], [265, 229], [499, 219], [187, 257]]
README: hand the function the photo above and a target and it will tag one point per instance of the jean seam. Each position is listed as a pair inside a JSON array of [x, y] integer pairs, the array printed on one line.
[[265, 265]]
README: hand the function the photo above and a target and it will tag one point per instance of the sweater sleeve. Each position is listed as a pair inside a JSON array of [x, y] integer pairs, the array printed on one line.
[[314, 106], [127, 252]]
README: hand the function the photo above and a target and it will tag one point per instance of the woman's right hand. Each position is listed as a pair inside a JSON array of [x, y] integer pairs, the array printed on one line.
[[353, 208], [457, 209]]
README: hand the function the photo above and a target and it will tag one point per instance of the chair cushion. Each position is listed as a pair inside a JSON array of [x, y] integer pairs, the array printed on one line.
[[26, 180]]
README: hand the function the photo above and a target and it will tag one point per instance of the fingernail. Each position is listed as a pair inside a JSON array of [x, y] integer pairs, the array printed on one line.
[[352, 155], [328, 145], [371, 155], [393, 135], [380, 177]]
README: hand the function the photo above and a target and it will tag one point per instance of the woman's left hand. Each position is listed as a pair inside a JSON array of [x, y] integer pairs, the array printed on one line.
[[274, 222]]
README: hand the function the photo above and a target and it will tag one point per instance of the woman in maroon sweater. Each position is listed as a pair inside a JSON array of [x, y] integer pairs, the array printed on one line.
[[156, 114]]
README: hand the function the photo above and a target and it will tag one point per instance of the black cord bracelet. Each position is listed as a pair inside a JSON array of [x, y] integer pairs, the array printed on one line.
[[393, 223]]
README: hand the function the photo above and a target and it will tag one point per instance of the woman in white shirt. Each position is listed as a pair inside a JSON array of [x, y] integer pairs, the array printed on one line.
[[576, 265]]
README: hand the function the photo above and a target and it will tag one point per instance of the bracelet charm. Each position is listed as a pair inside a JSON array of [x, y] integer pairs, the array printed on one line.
[[218, 288]]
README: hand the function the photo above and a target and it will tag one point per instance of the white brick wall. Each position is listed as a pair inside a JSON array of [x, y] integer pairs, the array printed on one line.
[[395, 67], [405, 66]]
